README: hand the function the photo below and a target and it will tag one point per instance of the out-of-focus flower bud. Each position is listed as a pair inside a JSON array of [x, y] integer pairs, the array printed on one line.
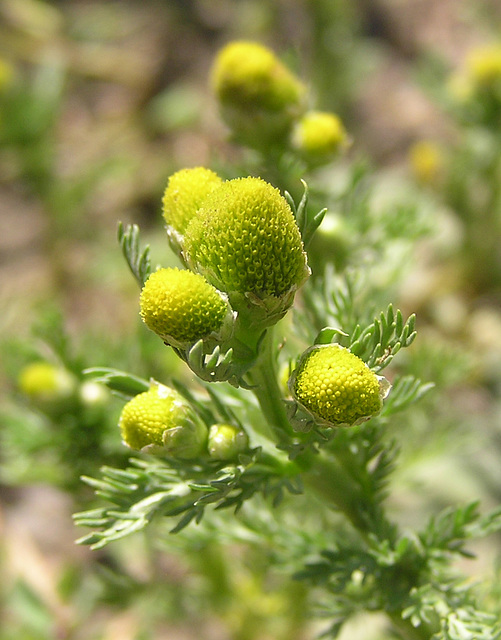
[[226, 441], [259, 96], [48, 386], [161, 421], [427, 162], [246, 242], [186, 190], [336, 387], [182, 307], [319, 136], [483, 65]]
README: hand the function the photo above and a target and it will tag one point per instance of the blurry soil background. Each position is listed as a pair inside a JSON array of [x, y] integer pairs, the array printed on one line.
[[113, 98]]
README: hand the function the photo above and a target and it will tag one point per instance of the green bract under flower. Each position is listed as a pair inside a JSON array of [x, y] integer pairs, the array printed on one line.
[[181, 306], [185, 192], [161, 420], [336, 386], [245, 240]]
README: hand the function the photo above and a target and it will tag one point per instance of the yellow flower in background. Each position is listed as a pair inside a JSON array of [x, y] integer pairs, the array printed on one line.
[[182, 307], [259, 97], [427, 161], [161, 420], [483, 65], [249, 75], [46, 382], [336, 386], [6, 73], [320, 135]]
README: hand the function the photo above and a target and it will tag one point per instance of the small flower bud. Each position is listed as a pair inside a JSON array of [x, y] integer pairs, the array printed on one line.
[[46, 385], [259, 96], [182, 307], [161, 421], [319, 136], [336, 386], [226, 441], [186, 190], [245, 241]]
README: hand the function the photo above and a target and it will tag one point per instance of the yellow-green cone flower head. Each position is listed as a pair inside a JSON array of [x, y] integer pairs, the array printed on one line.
[[182, 307], [46, 384], [320, 135], [336, 387], [245, 241], [161, 421], [186, 190], [226, 442], [258, 95]]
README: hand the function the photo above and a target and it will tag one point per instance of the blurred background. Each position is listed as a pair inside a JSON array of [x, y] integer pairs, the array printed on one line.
[[100, 101]]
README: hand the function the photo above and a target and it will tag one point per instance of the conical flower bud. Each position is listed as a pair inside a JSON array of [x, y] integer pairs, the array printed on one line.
[[337, 387], [226, 441], [245, 241], [161, 421], [186, 190], [259, 96], [182, 307]]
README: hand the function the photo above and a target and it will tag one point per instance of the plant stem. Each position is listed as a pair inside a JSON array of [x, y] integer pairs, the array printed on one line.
[[262, 379]]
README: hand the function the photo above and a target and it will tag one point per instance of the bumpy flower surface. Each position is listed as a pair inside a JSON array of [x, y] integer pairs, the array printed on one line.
[[320, 134], [181, 306], [186, 190], [161, 419], [245, 239], [249, 75], [336, 386]]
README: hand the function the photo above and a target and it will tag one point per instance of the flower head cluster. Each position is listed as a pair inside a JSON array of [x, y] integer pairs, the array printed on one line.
[[161, 421], [336, 386], [182, 307], [245, 239], [319, 135]]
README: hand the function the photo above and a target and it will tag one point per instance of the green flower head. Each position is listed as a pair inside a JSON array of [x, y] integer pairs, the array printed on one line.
[[161, 421], [182, 307], [226, 441], [186, 190], [245, 240], [336, 386]]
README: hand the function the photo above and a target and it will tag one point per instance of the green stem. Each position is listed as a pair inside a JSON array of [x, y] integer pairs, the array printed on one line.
[[262, 379]]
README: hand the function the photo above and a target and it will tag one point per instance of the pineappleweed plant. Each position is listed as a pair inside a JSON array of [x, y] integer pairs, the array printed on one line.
[[266, 422]]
